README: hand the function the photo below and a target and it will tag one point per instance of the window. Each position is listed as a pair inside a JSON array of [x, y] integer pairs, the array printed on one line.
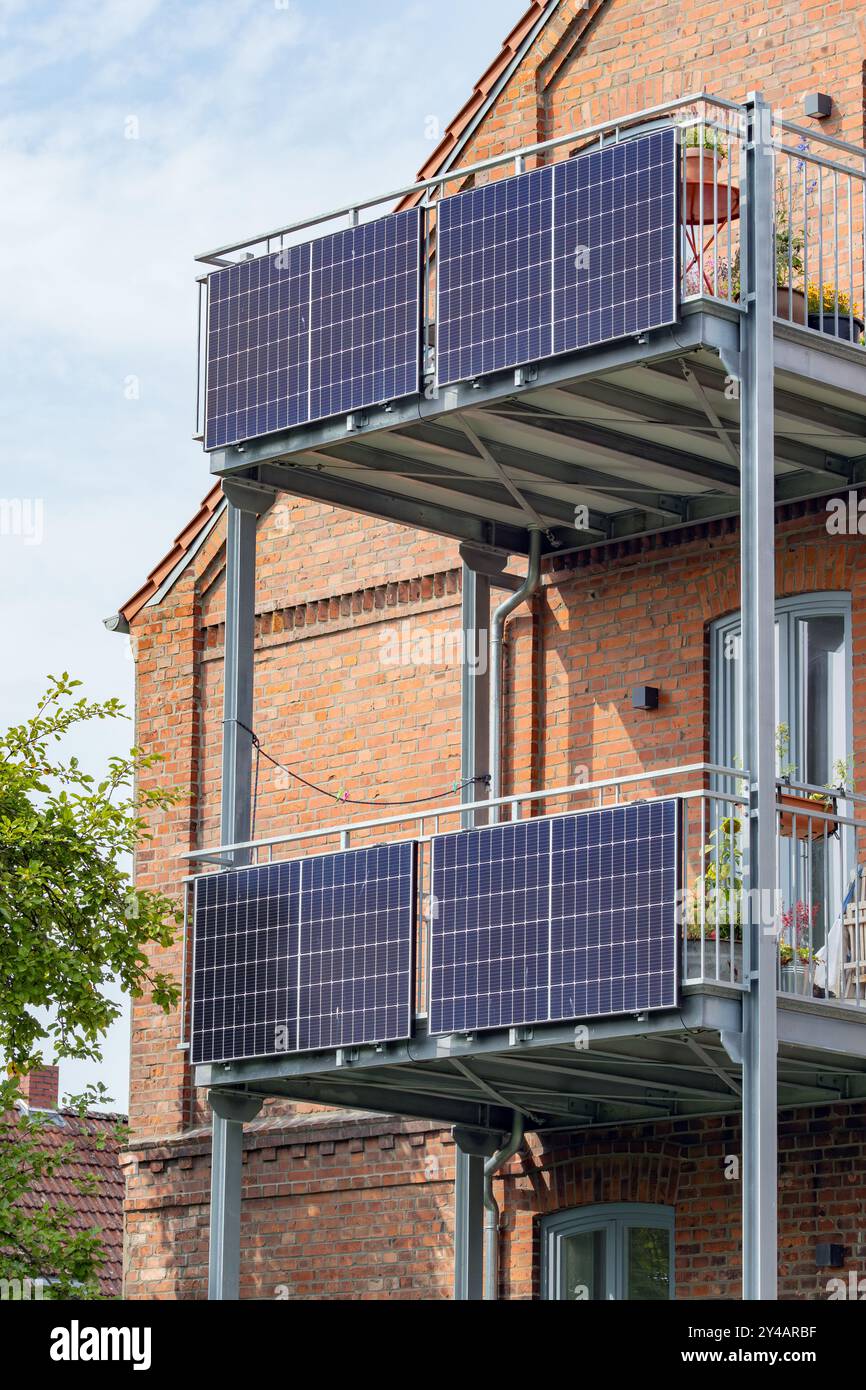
[[813, 698], [615, 1251], [813, 683]]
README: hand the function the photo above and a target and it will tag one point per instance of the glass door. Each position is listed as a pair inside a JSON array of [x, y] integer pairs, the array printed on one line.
[[622, 1252], [813, 704]]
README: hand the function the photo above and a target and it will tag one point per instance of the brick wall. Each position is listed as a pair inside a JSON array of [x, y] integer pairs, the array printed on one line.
[[349, 1206], [331, 586]]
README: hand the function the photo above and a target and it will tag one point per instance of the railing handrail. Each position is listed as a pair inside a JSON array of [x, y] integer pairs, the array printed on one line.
[[465, 170], [462, 808]]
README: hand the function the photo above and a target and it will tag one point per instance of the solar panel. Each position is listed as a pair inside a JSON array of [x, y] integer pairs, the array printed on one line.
[[314, 330], [615, 230], [613, 930], [489, 927], [365, 323], [308, 954], [245, 949], [560, 258], [565, 917], [258, 347], [357, 920], [494, 276]]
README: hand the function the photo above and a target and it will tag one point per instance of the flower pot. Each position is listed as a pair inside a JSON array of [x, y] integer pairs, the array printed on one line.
[[698, 169], [849, 329], [796, 978], [693, 970], [708, 201], [794, 818], [790, 304]]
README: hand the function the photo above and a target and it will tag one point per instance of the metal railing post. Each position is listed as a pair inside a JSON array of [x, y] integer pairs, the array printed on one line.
[[757, 560]]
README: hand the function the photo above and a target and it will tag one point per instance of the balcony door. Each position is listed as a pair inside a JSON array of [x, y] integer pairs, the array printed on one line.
[[813, 698], [618, 1251]]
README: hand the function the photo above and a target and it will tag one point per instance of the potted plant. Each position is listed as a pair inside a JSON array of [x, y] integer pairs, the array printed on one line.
[[796, 956], [794, 818], [716, 906], [825, 303], [790, 300], [702, 147]]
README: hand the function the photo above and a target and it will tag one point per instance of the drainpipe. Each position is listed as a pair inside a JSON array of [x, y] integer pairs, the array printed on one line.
[[491, 1210], [497, 625]]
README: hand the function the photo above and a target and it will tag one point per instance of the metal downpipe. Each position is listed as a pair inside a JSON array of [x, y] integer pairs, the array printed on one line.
[[497, 626], [491, 1210]]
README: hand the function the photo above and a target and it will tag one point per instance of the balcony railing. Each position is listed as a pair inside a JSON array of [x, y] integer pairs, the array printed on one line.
[[817, 913], [820, 217]]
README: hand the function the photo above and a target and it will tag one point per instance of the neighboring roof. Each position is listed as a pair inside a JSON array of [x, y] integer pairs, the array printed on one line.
[[96, 1151], [482, 93], [175, 557]]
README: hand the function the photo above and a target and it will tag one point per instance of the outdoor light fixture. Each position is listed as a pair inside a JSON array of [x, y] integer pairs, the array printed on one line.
[[829, 1256], [645, 697], [818, 104]]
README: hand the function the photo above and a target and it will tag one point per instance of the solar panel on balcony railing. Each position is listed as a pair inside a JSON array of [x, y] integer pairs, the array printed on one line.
[[313, 953], [355, 980], [494, 276], [314, 330], [245, 951], [615, 229], [560, 258], [569, 917]]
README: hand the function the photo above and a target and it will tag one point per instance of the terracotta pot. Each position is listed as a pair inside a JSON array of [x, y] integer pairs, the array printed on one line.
[[694, 165], [790, 304], [794, 818]]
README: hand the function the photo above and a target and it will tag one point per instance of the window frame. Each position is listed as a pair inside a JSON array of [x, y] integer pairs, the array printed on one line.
[[832, 603], [615, 1219]]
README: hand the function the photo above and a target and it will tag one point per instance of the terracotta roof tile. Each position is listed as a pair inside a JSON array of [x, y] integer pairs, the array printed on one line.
[[96, 1150], [179, 549], [480, 93]]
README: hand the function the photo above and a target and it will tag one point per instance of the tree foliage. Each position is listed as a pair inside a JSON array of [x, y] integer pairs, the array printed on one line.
[[72, 925]]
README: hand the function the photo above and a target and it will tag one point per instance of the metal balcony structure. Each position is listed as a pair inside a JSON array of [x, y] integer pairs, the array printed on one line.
[[746, 402]]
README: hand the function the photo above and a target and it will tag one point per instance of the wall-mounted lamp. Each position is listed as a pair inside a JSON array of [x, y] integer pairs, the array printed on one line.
[[829, 1256], [645, 697], [818, 104]]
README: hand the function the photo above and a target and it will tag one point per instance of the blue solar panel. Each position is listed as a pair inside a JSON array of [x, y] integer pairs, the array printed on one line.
[[563, 918], [613, 911], [258, 347], [314, 330], [357, 918], [245, 949], [494, 276], [313, 953], [560, 258], [615, 227], [365, 325], [489, 941]]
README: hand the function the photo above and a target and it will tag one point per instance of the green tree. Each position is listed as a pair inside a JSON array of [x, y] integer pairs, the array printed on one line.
[[71, 925]]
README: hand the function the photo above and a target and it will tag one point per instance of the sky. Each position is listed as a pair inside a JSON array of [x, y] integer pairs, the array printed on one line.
[[135, 134]]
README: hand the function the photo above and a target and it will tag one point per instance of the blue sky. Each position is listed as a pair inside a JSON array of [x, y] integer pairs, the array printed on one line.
[[134, 134]]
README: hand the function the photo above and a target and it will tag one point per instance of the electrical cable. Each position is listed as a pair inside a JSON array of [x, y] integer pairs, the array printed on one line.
[[341, 796]]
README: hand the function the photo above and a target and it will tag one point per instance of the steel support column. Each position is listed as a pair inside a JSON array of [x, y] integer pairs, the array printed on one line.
[[757, 560], [228, 1115], [468, 1226], [474, 680], [244, 505], [474, 736]]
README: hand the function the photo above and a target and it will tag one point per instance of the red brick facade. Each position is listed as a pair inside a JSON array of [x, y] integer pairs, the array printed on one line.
[[340, 1205]]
